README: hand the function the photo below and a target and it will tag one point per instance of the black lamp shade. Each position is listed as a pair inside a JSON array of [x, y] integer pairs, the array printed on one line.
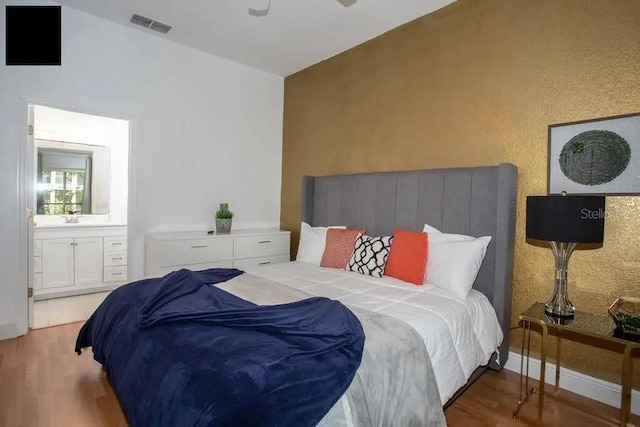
[[570, 219]]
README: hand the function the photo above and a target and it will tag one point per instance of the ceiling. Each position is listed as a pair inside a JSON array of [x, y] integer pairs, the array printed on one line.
[[294, 35]]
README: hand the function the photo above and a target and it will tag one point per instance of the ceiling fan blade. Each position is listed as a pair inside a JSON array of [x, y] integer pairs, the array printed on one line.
[[347, 3], [260, 12]]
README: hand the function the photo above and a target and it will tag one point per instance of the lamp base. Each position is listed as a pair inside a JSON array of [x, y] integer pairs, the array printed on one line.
[[568, 312], [559, 305]]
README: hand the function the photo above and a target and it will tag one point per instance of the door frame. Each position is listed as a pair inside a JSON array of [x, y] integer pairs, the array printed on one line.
[[25, 161]]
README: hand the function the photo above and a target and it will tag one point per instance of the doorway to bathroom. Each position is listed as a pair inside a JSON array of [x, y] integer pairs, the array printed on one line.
[[78, 197]]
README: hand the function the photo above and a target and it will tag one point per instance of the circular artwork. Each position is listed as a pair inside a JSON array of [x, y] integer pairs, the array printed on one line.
[[595, 157]]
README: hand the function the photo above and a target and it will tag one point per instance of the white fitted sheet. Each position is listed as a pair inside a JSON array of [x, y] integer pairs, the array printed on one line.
[[459, 334]]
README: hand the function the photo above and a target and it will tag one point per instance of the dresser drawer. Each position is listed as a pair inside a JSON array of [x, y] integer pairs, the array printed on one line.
[[196, 251], [116, 243], [261, 246], [112, 259], [195, 267], [252, 263], [115, 274]]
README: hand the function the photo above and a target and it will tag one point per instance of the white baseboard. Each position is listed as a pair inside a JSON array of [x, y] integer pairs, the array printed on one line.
[[575, 382], [8, 331]]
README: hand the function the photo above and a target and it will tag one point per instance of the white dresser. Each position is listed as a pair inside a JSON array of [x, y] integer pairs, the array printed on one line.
[[242, 249], [77, 259]]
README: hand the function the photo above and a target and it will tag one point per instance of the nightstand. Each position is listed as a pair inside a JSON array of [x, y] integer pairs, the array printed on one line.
[[586, 328]]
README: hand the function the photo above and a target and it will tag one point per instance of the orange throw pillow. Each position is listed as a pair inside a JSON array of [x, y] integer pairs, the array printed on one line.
[[408, 256], [339, 247]]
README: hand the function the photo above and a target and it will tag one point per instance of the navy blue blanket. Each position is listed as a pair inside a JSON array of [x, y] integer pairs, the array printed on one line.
[[179, 352]]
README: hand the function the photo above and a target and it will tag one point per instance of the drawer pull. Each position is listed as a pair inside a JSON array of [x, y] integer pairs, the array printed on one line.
[[198, 246], [119, 273], [264, 263], [115, 258], [264, 241], [116, 244]]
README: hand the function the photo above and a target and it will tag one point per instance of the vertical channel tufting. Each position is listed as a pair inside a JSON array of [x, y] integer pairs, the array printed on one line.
[[475, 201], [505, 240], [456, 200], [483, 220], [319, 201], [483, 202], [349, 203], [366, 201], [407, 192], [431, 189], [307, 199], [332, 210], [386, 186]]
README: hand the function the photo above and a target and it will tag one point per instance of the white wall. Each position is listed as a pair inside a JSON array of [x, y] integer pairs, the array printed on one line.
[[59, 125], [203, 130]]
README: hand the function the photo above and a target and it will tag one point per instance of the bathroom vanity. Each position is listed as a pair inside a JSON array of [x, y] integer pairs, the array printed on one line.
[[73, 259]]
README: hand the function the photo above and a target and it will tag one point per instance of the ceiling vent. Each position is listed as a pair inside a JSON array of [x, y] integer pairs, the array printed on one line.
[[149, 23], [160, 27]]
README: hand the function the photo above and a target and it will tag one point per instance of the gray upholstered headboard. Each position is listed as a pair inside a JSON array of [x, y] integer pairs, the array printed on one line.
[[477, 201]]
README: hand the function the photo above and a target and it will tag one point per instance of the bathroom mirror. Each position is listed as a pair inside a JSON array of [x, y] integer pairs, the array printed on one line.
[[71, 178]]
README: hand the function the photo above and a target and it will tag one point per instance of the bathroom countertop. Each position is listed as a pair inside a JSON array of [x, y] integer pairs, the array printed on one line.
[[79, 225]]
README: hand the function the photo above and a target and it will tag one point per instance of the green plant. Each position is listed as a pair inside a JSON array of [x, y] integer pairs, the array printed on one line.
[[224, 212], [629, 321]]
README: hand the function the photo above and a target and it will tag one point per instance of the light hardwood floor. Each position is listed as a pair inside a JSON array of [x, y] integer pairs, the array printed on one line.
[[44, 383]]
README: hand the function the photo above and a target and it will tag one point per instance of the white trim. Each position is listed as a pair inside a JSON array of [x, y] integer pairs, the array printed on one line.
[[7, 332], [24, 160], [22, 300], [575, 382]]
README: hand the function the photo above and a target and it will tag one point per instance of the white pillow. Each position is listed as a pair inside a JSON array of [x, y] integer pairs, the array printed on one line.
[[453, 260], [439, 236], [312, 243]]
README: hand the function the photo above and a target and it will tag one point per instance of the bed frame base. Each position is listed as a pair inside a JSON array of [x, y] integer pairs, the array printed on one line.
[[492, 365]]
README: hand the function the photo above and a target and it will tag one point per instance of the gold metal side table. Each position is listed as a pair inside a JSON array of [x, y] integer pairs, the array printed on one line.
[[584, 327]]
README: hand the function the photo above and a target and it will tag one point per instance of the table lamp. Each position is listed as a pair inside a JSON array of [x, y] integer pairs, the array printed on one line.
[[564, 221]]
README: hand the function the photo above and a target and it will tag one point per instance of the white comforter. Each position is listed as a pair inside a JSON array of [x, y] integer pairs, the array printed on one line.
[[460, 335]]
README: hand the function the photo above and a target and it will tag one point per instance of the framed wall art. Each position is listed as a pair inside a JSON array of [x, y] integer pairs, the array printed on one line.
[[600, 156]]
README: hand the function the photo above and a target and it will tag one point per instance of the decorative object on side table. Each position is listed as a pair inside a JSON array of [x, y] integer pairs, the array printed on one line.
[[223, 219], [599, 156], [625, 312], [564, 221]]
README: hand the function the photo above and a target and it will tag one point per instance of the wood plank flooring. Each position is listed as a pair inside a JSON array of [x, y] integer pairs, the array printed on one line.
[[44, 383]]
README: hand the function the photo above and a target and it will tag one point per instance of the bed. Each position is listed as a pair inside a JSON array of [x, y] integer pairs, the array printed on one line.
[[460, 335], [475, 201], [423, 345]]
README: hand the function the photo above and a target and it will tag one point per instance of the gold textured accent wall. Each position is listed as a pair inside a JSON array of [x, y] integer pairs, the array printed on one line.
[[477, 83]]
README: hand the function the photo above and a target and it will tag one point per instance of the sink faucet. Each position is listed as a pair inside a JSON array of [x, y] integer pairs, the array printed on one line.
[[72, 219]]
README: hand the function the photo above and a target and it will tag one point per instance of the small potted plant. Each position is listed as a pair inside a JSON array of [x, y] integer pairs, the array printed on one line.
[[223, 219]]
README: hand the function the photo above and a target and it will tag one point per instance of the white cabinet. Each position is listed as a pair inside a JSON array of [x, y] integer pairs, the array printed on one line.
[[115, 274], [260, 246], [70, 262], [115, 243], [76, 260], [193, 251], [249, 263], [242, 249], [37, 264], [57, 263], [115, 259], [88, 267]]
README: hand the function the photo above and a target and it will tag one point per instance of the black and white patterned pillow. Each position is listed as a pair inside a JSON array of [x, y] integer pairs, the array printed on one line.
[[370, 255]]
